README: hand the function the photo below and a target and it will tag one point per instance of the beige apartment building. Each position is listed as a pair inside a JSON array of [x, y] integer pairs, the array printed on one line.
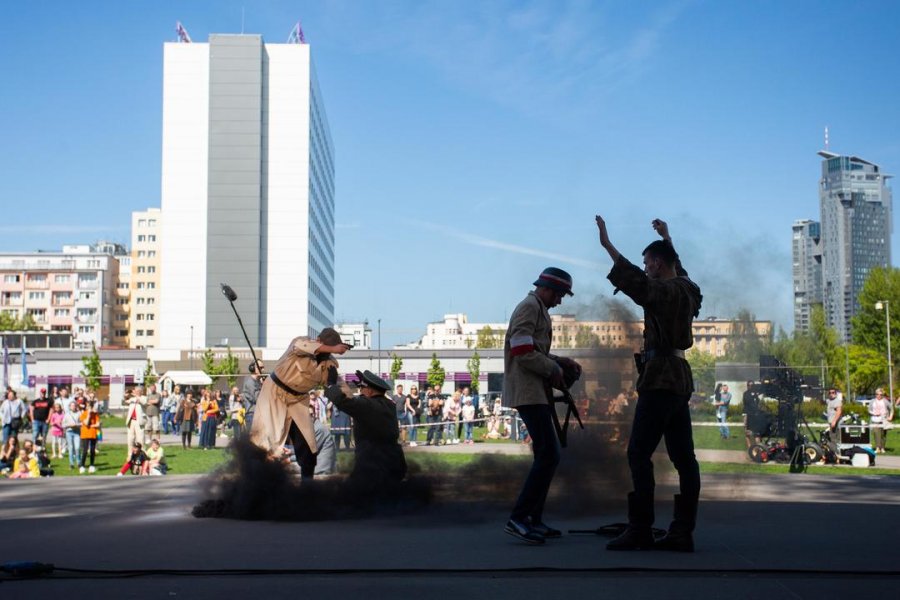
[[67, 291], [144, 285]]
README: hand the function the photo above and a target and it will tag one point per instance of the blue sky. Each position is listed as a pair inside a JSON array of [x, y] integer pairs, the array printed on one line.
[[476, 140]]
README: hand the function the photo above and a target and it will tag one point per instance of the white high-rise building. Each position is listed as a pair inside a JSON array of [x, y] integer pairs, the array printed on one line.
[[806, 251], [247, 194]]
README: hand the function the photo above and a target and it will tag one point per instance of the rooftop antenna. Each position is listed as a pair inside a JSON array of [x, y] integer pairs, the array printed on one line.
[[826, 138], [296, 36], [183, 36]]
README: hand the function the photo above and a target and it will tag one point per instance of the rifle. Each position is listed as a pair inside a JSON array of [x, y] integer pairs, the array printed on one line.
[[563, 430]]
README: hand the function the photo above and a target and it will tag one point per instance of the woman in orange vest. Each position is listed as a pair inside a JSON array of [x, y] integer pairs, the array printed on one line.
[[90, 427], [209, 413]]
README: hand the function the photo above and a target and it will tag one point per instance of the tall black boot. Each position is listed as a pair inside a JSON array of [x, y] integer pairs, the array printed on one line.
[[638, 535], [680, 537]]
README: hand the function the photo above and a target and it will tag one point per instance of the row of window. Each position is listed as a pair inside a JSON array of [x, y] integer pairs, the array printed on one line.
[[146, 222], [147, 269], [146, 238], [146, 253]]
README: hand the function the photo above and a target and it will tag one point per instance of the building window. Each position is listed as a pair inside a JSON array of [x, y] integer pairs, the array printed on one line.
[[152, 222], [35, 295], [121, 333], [151, 238], [151, 253], [142, 238], [139, 332], [85, 329], [11, 278], [65, 278], [61, 312], [149, 332], [142, 222]]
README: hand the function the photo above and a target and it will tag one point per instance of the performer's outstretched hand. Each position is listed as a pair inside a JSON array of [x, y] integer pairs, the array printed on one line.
[[332, 376]]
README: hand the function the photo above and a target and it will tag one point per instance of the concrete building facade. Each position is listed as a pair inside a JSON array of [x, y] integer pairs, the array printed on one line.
[[856, 206], [806, 252], [247, 194], [145, 279]]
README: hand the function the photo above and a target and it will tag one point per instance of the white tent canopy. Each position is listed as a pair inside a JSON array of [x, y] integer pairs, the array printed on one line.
[[186, 378]]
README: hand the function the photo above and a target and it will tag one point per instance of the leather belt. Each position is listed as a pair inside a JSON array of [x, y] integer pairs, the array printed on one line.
[[652, 353], [284, 386]]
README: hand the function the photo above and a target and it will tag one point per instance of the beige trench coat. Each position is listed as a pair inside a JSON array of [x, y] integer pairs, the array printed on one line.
[[276, 408]]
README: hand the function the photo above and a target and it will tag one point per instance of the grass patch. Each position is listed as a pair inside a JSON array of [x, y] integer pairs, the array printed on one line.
[[775, 469], [110, 458]]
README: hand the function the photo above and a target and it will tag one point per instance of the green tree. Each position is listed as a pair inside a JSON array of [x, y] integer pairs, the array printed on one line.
[[396, 366], [745, 343], [10, 323], [703, 366], [487, 338], [436, 373], [869, 324], [229, 366], [149, 375], [93, 369], [209, 364], [474, 366], [585, 338], [868, 369]]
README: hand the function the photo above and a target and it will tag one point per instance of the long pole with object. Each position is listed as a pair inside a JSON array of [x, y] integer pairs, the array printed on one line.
[[232, 296]]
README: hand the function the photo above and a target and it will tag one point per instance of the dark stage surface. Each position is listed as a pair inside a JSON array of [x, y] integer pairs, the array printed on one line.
[[778, 536]]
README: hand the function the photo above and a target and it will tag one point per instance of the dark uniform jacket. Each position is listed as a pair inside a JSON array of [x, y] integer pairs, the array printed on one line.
[[378, 457], [669, 309]]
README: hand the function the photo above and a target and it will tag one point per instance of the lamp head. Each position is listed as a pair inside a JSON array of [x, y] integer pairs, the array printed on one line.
[[229, 293], [879, 305]]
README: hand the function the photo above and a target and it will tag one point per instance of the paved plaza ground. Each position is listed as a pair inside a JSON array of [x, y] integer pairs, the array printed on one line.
[[760, 536]]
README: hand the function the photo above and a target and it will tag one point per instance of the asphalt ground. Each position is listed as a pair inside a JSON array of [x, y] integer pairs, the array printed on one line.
[[759, 536]]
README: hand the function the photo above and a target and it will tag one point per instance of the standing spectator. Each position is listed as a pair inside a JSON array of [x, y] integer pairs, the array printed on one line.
[[72, 425], [40, 414], [881, 412], [340, 427], [326, 456], [468, 417], [467, 393], [250, 390], [152, 412], [435, 411], [210, 422], [134, 418], [177, 397], [722, 401], [185, 418], [414, 410], [236, 413], [57, 433], [452, 410], [834, 408], [90, 428], [12, 413], [402, 417], [167, 411], [63, 397]]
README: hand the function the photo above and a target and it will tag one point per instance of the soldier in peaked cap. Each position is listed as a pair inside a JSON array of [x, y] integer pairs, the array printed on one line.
[[379, 459], [530, 373], [282, 408]]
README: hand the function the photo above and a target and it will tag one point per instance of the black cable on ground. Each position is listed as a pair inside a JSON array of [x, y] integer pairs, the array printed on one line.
[[34, 570]]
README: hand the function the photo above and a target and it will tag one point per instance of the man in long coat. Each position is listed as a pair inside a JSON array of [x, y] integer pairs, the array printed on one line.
[[282, 408]]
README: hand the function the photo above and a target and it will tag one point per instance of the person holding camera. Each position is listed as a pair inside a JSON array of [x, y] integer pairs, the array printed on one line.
[[530, 374], [665, 383]]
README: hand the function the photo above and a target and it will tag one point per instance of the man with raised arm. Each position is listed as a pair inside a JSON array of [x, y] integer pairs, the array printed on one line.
[[670, 301], [282, 408]]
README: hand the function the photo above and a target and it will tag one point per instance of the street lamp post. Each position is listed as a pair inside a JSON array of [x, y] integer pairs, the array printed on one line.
[[379, 347], [887, 324]]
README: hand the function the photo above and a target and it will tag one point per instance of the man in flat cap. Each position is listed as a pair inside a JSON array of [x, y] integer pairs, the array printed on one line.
[[530, 374], [282, 407], [379, 459], [670, 301]]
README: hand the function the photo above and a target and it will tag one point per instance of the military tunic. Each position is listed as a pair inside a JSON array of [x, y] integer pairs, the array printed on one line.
[[378, 457], [670, 306], [276, 408], [527, 362]]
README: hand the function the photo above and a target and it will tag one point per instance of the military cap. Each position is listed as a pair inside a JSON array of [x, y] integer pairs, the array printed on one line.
[[368, 378]]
